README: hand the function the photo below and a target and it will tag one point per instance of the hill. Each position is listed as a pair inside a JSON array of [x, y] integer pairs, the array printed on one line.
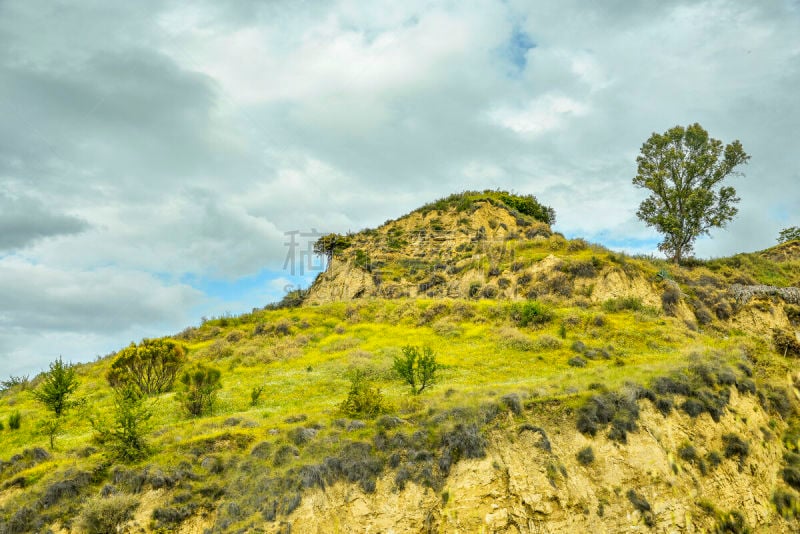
[[579, 389]]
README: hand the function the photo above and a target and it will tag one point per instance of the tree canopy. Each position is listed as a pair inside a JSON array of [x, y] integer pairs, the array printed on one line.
[[149, 368], [684, 169], [789, 234]]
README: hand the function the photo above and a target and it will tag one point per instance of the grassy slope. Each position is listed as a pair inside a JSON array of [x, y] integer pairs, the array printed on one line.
[[304, 359]]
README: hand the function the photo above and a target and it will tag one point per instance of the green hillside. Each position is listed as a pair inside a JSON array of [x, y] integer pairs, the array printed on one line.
[[571, 337]]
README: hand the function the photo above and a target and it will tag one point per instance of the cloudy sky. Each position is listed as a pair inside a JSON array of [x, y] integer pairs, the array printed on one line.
[[154, 155]]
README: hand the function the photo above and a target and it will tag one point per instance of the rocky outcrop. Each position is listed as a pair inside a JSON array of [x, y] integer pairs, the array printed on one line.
[[521, 487]]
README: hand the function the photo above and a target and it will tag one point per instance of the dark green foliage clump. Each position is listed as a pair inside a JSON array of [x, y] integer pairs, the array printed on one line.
[[732, 522], [791, 469], [620, 410], [640, 503], [786, 503], [199, 387], [687, 453], [512, 402], [576, 361], [776, 399], [531, 313], [461, 442], [733, 445], [585, 456], [706, 388], [14, 421]]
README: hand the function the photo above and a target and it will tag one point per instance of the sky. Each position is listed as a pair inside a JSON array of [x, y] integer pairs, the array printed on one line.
[[156, 156]]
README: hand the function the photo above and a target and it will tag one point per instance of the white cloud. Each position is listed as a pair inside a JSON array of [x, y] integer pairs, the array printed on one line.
[[543, 114]]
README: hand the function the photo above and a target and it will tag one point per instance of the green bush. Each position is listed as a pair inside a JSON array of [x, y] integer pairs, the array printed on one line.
[[14, 420], [124, 435], [150, 367], [199, 387], [105, 515], [531, 313], [786, 503], [363, 399], [585, 456]]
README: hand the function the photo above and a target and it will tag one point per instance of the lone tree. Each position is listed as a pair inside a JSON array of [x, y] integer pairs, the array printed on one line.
[[331, 244], [417, 368], [684, 169], [789, 234], [57, 387]]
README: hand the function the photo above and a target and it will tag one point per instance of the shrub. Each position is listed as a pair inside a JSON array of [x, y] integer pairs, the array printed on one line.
[[546, 341], [461, 442], [363, 399], [512, 402], [786, 343], [514, 339], [474, 289], [103, 515], [125, 434], [713, 458], [786, 503], [489, 292], [150, 367], [670, 298], [623, 303], [600, 410], [255, 395], [13, 421], [531, 313], [417, 368], [576, 361], [57, 387], [733, 445], [199, 387], [585, 456], [687, 453], [791, 475], [640, 503]]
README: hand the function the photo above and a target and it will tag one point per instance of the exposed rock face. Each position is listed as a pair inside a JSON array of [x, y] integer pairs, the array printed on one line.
[[520, 487], [744, 294]]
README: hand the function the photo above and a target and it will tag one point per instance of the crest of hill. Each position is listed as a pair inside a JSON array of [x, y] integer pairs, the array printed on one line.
[[440, 249], [789, 251]]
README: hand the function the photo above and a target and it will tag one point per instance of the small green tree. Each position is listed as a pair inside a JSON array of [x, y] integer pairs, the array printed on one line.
[[417, 368], [789, 234], [199, 387], [125, 435], [683, 168], [149, 368], [52, 428], [57, 387]]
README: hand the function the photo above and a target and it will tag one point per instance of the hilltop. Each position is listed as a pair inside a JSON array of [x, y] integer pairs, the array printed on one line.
[[580, 389]]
